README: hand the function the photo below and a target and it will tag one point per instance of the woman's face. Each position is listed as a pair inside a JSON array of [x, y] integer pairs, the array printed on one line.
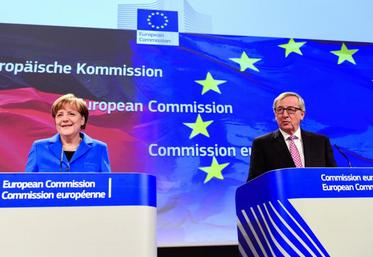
[[68, 121]]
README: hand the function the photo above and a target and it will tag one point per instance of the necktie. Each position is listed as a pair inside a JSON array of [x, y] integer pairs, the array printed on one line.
[[294, 152]]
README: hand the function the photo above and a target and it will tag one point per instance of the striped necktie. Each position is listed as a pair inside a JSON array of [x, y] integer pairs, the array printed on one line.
[[294, 152]]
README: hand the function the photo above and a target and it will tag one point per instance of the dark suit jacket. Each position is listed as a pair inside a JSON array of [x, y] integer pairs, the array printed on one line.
[[270, 152]]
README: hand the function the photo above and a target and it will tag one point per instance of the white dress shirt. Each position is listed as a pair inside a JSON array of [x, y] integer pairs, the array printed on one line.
[[298, 143]]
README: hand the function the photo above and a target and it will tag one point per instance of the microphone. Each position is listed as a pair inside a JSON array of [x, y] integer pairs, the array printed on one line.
[[61, 160], [343, 154], [61, 163]]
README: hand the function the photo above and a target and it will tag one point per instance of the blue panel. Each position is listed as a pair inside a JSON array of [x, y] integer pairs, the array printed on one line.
[[157, 20], [269, 225], [63, 189]]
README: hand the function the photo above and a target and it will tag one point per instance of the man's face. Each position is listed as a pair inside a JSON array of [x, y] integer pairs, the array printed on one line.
[[288, 114]]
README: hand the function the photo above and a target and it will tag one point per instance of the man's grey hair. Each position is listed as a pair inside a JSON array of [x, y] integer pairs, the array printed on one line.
[[286, 94]]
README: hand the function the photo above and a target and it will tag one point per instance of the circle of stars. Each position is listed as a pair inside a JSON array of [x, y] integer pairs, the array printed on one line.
[[157, 14]]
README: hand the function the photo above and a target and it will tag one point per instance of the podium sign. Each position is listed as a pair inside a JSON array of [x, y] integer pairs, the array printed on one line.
[[77, 214], [307, 212]]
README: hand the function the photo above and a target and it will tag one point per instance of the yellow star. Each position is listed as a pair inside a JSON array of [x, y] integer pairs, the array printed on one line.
[[214, 170], [210, 84], [345, 54], [292, 47], [199, 127], [246, 62]]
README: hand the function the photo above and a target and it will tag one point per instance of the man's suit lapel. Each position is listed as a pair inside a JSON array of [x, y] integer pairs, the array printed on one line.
[[281, 149], [306, 148]]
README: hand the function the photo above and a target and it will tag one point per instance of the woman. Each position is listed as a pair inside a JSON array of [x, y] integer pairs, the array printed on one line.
[[70, 149]]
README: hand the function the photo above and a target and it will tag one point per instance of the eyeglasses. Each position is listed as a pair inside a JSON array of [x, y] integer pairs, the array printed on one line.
[[289, 109]]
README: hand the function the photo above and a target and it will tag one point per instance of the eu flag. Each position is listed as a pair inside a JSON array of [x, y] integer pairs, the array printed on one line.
[[157, 20]]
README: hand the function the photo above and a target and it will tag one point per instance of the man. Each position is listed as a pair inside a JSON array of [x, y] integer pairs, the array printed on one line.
[[289, 146]]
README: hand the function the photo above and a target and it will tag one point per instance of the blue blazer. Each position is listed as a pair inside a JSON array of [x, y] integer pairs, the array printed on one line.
[[46, 155]]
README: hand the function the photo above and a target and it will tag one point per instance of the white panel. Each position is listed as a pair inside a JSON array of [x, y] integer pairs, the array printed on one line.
[[343, 225], [78, 231]]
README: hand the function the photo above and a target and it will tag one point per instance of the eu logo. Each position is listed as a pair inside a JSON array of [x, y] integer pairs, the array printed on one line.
[[157, 20]]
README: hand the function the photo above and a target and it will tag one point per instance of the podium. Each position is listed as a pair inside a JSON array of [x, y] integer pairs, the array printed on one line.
[[307, 212], [77, 214]]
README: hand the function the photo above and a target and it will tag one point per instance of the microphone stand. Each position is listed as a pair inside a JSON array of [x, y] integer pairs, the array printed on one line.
[[343, 154]]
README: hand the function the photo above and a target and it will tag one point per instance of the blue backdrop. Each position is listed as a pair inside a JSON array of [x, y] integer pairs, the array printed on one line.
[[186, 113]]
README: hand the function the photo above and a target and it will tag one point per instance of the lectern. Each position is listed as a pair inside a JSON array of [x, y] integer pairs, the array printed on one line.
[[307, 212], [77, 214]]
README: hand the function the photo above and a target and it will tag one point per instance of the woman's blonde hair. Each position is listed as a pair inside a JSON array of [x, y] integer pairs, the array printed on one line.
[[71, 99]]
